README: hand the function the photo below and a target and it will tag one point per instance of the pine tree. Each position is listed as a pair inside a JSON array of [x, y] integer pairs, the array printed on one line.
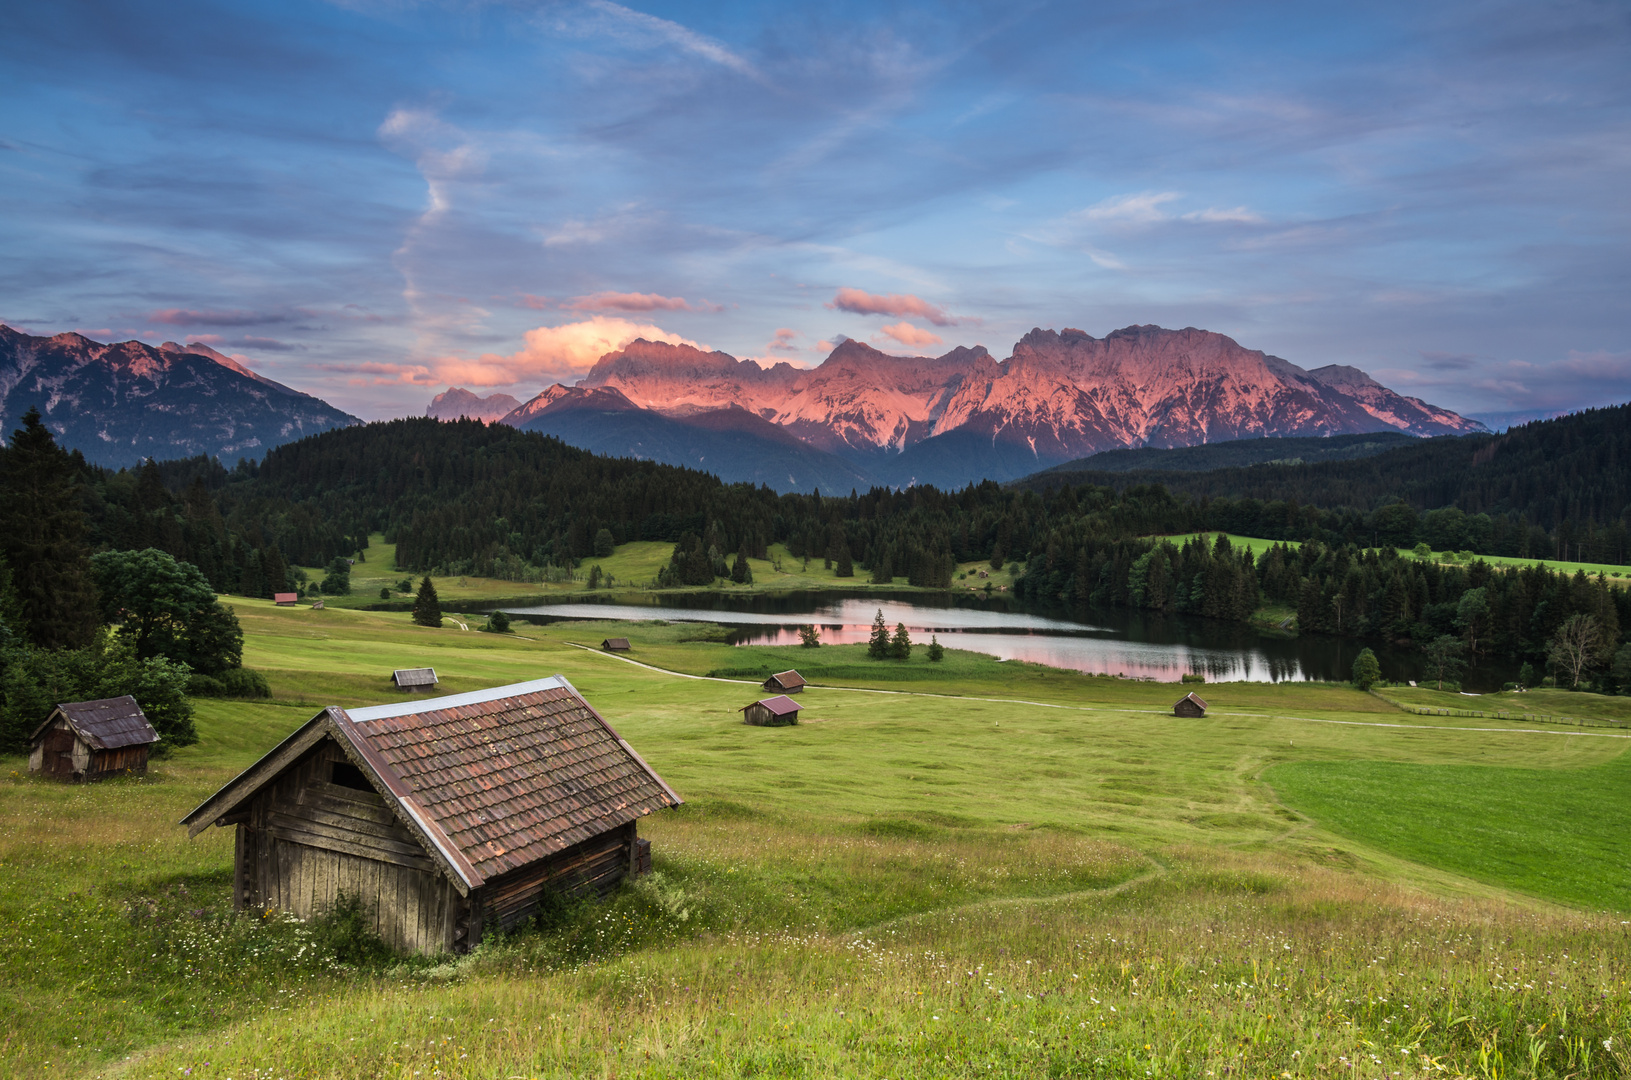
[[846, 565], [42, 533], [937, 651], [878, 644], [427, 609], [900, 646]]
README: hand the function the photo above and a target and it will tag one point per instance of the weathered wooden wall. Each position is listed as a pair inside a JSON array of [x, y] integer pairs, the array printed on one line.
[[63, 755], [593, 867], [307, 840]]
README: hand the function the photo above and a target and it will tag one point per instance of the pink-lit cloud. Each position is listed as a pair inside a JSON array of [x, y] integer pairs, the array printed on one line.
[[635, 302], [548, 354], [535, 303], [861, 302], [783, 341], [907, 334], [187, 317]]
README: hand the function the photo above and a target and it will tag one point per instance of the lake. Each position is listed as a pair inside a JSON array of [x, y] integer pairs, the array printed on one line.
[[1134, 644]]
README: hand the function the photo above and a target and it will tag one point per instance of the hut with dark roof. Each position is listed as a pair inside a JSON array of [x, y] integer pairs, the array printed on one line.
[[92, 740], [779, 711], [787, 682], [448, 817], [414, 678], [1189, 705], [615, 644]]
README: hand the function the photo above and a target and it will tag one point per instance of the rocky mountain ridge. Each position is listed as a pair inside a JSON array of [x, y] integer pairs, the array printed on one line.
[[1059, 396], [122, 402]]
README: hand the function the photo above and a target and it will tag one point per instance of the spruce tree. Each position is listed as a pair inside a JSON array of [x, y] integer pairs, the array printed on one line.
[[878, 645], [42, 533], [900, 646], [427, 609], [937, 651], [846, 565]]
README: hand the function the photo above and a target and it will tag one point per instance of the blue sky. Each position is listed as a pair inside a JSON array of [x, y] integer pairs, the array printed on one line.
[[371, 201]]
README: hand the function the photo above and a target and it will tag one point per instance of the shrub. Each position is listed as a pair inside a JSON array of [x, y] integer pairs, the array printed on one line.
[[1366, 670], [1192, 677], [385, 592], [242, 682], [809, 638], [498, 623], [346, 932], [200, 685]]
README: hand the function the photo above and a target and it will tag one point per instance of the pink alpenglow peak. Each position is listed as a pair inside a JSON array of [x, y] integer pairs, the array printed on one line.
[[459, 404], [964, 416]]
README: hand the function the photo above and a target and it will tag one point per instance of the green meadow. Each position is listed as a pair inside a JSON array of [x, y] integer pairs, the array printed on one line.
[[968, 868], [1611, 571]]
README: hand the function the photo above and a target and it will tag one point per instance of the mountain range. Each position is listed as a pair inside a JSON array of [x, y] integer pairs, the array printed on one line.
[[960, 417], [123, 402]]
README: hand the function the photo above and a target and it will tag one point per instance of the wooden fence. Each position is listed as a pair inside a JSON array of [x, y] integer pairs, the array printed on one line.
[[1502, 714]]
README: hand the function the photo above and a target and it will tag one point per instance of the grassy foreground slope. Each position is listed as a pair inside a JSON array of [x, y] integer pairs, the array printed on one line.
[[1030, 873]]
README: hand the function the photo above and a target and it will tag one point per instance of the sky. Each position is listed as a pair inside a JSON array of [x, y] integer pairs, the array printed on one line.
[[372, 201]]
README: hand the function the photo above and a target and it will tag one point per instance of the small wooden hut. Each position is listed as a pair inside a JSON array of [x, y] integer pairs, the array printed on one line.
[[1189, 705], [786, 682], [615, 644], [448, 817], [92, 740], [779, 711], [414, 678], [285, 599]]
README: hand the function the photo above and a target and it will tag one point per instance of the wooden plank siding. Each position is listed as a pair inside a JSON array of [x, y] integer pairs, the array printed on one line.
[[307, 841], [593, 867]]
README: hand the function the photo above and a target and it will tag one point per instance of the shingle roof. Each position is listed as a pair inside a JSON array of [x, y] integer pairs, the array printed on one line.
[[787, 680], [415, 676], [106, 724], [495, 779], [285, 597], [1195, 698], [780, 705], [615, 643]]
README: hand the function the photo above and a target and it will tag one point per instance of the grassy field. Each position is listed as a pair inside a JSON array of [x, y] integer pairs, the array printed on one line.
[[632, 567], [961, 869], [1613, 572]]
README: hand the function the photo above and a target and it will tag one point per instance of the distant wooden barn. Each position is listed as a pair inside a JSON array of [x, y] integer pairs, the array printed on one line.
[[780, 711], [788, 682], [414, 678], [449, 818], [92, 740], [1189, 705], [285, 599], [615, 644]]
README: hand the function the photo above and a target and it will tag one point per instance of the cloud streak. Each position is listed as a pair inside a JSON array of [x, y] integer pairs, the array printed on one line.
[[907, 334], [860, 302], [635, 302]]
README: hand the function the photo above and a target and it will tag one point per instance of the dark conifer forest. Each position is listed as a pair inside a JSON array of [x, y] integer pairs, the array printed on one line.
[[487, 500]]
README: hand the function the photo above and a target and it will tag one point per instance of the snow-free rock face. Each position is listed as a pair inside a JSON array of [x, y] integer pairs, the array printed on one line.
[[123, 402], [457, 403], [1060, 395]]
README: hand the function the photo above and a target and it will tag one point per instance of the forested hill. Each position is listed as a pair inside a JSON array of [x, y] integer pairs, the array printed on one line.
[[488, 500], [1566, 473], [1233, 454]]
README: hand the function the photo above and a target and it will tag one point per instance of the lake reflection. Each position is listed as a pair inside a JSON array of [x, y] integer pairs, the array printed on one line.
[[1114, 643]]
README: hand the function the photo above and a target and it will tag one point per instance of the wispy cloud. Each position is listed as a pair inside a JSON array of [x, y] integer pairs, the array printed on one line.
[[907, 334], [860, 302], [189, 317], [640, 24], [636, 302]]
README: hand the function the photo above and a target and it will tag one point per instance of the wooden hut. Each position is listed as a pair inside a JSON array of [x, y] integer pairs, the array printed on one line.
[[92, 740], [615, 644], [448, 817], [285, 599], [1189, 705], [779, 711], [787, 682], [414, 678]]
